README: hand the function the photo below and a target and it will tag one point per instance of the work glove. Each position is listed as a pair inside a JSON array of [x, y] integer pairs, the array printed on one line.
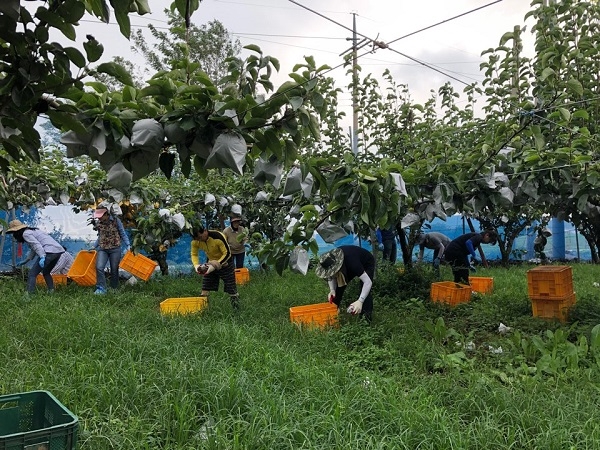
[[436, 263], [331, 297], [42, 261], [209, 269], [355, 308], [380, 246], [472, 265], [200, 269]]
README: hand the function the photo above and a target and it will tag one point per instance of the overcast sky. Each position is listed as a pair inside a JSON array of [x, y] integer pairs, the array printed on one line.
[[288, 32]]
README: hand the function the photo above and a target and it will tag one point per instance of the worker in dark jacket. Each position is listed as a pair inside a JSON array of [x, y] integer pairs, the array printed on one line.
[[458, 251], [340, 266]]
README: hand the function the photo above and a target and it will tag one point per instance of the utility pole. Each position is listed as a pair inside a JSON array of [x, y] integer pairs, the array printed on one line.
[[354, 87]]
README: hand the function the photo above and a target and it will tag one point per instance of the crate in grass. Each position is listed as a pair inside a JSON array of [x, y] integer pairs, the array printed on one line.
[[552, 308], [550, 282], [36, 420], [183, 305], [83, 269], [139, 265], [450, 292], [482, 285], [59, 280], [242, 276], [318, 315]]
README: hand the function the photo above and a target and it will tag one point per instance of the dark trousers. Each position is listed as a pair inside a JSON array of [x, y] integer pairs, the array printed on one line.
[[238, 259], [390, 250], [50, 262]]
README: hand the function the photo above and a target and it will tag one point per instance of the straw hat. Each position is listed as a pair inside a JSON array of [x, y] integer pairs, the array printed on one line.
[[15, 225], [330, 263]]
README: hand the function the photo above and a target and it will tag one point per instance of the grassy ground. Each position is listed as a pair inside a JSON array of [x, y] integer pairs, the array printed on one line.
[[421, 376]]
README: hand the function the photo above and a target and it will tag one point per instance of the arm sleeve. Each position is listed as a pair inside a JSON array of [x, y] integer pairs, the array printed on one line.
[[30, 256], [194, 253], [379, 238], [442, 249], [367, 283], [34, 244], [122, 233], [332, 284], [470, 248]]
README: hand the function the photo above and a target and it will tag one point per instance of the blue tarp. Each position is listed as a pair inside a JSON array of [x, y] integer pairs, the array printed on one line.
[[72, 230]]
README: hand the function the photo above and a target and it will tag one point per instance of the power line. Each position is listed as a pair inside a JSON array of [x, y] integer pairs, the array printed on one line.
[[288, 36], [443, 21], [378, 44]]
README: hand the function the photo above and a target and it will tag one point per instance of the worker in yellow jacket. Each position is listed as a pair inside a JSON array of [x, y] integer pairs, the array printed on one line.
[[219, 264]]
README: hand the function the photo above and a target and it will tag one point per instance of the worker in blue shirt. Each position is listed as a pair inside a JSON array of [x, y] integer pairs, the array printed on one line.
[[458, 251]]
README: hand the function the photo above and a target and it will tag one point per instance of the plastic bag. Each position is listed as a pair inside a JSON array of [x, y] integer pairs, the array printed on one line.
[[229, 152], [293, 181], [330, 232], [147, 135], [268, 172], [299, 260]]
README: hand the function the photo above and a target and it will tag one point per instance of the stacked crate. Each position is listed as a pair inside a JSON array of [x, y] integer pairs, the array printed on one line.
[[551, 291]]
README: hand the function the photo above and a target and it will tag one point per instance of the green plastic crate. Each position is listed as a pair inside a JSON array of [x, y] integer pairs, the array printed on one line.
[[36, 420]]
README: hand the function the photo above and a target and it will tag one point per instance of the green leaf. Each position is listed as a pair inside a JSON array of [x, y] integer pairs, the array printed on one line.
[[296, 102], [287, 86], [117, 71], [65, 121], [71, 10], [254, 48], [75, 56], [581, 114], [548, 71], [566, 115], [313, 126], [506, 37], [575, 87], [93, 49]]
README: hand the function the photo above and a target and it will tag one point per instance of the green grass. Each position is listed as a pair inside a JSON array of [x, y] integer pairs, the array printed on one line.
[[217, 380]]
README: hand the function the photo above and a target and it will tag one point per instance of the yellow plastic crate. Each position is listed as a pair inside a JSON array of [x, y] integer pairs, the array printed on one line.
[[139, 265], [183, 305], [83, 270], [59, 280], [550, 282], [483, 285], [242, 276], [318, 315], [450, 292], [553, 309]]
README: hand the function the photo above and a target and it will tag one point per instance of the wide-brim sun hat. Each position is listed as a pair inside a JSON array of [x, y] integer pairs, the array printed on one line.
[[100, 212], [330, 263], [15, 225]]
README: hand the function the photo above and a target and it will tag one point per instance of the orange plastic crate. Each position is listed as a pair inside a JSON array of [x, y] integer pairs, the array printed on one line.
[[318, 315], [483, 285], [242, 276], [450, 292], [139, 265], [59, 280], [83, 270], [550, 282], [553, 309], [183, 305]]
